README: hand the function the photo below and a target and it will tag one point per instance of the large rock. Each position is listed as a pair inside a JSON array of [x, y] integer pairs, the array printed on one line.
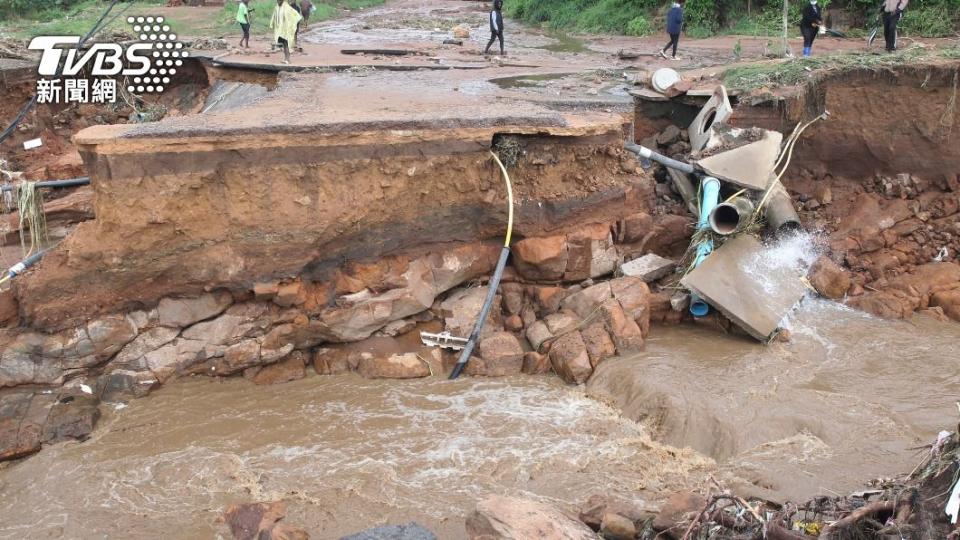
[[396, 366], [634, 297], [585, 302], [181, 312], [500, 355], [624, 331], [511, 518], [109, 334], [120, 384], [224, 330], [648, 268], [73, 416], [617, 527], [535, 363], [410, 531], [543, 258], [677, 511], [568, 355], [948, 301], [254, 521], [289, 369], [546, 299], [31, 358], [598, 343], [461, 309], [828, 278], [22, 417], [590, 253], [132, 355], [330, 361], [537, 333]]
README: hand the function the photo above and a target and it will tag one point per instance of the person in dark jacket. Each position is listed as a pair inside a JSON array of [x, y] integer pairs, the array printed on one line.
[[674, 25], [496, 26], [810, 25], [892, 10]]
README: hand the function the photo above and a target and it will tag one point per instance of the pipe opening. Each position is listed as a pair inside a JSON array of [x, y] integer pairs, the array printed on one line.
[[708, 121], [699, 308], [725, 219]]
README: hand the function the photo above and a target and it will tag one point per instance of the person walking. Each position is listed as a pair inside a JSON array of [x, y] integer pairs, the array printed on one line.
[[809, 25], [674, 26], [892, 11], [284, 24], [243, 17], [496, 26]]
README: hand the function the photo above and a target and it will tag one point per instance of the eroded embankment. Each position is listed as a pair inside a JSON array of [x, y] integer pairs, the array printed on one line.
[[219, 250]]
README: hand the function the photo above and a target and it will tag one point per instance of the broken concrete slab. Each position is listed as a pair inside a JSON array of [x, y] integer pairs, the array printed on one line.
[[748, 288], [715, 111], [748, 166], [650, 267]]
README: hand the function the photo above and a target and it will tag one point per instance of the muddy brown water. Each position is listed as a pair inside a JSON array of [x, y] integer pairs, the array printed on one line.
[[846, 400], [345, 452]]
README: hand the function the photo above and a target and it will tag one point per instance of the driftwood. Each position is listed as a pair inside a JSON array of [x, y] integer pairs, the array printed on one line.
[[864, 512]]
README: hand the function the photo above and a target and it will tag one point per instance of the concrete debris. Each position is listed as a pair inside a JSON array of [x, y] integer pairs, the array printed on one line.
[[715, 111], [410, 531], [748, 166], [650, 267], [499, 517], [726, 284]]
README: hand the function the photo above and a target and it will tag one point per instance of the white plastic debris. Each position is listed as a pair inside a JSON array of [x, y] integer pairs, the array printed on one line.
[[953, 503], [32, 143], [120, 406], [942, 254], [86, 389]]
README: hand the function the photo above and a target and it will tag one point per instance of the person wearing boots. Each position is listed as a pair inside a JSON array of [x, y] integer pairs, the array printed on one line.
[[810, 25], [892, 11]]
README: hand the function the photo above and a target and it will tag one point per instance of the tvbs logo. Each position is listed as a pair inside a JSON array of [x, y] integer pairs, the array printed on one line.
[[145, 66]]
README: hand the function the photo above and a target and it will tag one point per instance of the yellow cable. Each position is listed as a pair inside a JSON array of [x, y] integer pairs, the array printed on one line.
[[506, 178]]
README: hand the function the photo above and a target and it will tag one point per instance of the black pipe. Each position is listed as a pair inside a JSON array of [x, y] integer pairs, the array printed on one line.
[[70, 182], [643, 151], [22, 266], [475, 335]]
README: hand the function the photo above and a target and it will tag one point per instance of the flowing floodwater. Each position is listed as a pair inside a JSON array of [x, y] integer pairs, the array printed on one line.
[[345, 452], [845, 400]]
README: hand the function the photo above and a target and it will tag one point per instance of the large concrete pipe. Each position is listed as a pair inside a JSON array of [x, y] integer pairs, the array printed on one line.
[[730, 217], [781, 215]]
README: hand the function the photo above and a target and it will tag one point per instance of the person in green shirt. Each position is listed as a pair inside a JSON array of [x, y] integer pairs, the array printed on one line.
[[243, 17]]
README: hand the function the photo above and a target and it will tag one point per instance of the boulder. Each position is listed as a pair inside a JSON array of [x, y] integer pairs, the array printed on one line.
[[636, 227], [282, 531], [290, 294], [558, 323], [73, 416], [500, 355], [669, 135], [624, 331], [289, 369], [598, 505], [254, 521], [224, 330], [22, 416], [676, 511], [948, 301], [590, 253], [513, 323], [543, 258], [182, 312], [120, 384], [890, 304], [585, 302], [511, 518], [461, 309], [828, 278], [31, 358], [617, 527], [537, 333], [330, 361], [512, 294], [568, 355], [546, 299], [410, 531], [396, 366], [535, 363], [598, 343], [634, 297]]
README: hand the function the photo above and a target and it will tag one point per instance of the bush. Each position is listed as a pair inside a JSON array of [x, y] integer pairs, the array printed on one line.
[[639, 26]]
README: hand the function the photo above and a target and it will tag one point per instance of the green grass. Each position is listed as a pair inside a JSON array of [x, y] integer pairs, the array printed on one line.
[[77, 19], [798, 70]]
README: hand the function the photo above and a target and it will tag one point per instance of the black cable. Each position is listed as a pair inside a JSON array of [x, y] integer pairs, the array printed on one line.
[[33, 100]]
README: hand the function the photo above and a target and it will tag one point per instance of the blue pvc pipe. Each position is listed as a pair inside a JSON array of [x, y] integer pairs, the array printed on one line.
[[710, 196]]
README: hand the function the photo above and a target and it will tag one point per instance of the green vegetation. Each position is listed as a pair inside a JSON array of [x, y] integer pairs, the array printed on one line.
[[924, 18], [27, 18], [791, 72]]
